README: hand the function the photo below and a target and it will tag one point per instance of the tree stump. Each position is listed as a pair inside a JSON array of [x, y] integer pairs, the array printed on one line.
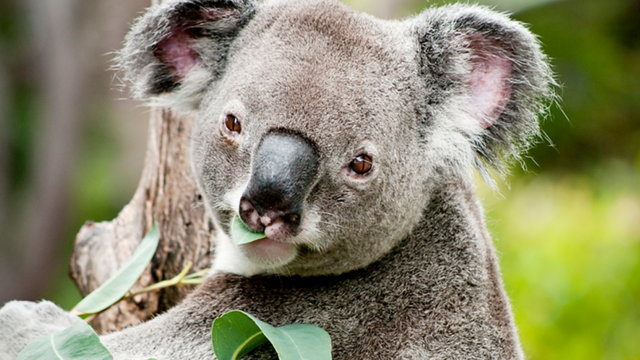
[[167, 193]]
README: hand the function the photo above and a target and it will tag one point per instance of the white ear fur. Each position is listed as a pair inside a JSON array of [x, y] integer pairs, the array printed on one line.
[[489, 81], [187, 98], [178, 53], [176, 49]]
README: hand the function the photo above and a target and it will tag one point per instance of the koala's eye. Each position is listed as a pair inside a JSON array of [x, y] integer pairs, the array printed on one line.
[[233, 124], [361, 164]]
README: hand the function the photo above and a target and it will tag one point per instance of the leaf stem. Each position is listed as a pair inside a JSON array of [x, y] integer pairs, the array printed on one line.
[[181, 279], [163, 284]]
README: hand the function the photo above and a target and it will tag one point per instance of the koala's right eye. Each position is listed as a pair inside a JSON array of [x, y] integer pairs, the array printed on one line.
[[233, 124], [361, 164]]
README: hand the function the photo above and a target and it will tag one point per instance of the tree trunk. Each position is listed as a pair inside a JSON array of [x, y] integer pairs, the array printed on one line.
[[167, 193]]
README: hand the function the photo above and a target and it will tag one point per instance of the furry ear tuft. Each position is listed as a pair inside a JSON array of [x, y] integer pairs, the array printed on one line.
[[176, 49], [490, 69]]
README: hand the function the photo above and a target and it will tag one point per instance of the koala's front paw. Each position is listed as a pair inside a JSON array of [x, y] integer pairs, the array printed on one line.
[[21, 322]]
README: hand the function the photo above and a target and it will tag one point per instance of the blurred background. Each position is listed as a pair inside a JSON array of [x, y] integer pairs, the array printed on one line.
[[567, 227]]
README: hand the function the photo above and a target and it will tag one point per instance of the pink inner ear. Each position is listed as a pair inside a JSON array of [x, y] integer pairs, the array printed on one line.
[[490, 88], [174, 51]]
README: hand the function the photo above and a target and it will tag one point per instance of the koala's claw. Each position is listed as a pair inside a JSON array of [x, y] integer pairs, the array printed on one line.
[[21, 322]]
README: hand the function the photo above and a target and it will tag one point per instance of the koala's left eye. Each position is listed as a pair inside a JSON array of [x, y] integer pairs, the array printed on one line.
[[233, 124], [361, 164]]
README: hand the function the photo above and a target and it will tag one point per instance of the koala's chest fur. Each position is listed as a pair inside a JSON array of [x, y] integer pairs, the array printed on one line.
[[440, 307]]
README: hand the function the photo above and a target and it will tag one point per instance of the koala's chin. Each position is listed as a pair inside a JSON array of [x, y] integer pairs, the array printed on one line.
[[268, 253]]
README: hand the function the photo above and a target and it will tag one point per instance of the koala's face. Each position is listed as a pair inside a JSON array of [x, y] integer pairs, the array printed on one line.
[[326, 128], [307, 138]]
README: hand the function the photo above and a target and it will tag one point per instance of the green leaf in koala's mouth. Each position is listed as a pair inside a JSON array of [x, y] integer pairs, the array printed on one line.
[[241, 233]]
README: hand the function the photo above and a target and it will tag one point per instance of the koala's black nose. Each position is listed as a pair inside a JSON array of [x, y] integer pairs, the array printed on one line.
[[283, 170]]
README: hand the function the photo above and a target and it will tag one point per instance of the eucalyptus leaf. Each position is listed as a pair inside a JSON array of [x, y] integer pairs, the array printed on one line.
[[124, 279], [79, 342], [299, 341], [236, 333], [241, 233]]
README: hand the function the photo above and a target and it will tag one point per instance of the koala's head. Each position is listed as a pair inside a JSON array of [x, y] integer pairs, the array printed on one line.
[[326, 128]]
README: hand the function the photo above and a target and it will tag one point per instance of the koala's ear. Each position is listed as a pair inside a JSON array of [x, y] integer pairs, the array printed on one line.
[[486, 75], [176, 49]]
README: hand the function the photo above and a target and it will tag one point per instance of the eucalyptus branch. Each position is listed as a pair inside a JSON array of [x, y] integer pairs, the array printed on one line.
[[183, 278], [180, 279]]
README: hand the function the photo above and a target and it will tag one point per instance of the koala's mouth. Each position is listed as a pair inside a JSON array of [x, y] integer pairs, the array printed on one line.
[[267, 249]]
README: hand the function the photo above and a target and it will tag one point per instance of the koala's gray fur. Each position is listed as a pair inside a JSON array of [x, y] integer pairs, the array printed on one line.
[[25, 321], [395, 263]]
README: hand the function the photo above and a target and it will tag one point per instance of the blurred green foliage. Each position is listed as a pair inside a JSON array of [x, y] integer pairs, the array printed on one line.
[[570, 254], [570, 238], [22, 104], [595, 50]]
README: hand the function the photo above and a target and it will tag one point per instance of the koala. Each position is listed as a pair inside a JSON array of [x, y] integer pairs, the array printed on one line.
[[351, 142]]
